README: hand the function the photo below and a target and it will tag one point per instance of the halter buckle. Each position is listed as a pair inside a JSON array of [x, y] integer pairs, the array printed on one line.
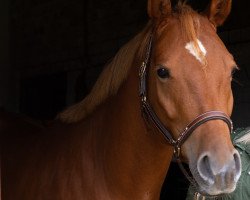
[[142, 69], [143, 99], [177, 152]]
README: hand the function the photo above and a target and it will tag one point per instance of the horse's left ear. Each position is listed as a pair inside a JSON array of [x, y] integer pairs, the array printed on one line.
[[158, 8], [218, 11]]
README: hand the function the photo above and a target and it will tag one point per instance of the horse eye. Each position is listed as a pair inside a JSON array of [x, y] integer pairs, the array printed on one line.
[[163, 73]]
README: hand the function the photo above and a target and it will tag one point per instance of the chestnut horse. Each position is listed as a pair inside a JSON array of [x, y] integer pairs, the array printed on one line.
[[119, 141]]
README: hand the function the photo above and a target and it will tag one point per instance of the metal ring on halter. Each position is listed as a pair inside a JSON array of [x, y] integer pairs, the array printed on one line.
[[198, 196]]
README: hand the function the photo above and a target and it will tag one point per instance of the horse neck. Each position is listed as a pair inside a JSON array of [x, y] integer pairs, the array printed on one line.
[[136, 158]]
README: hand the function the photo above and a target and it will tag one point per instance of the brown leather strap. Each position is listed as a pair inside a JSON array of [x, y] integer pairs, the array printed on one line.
[[201, 119], [149, 114]]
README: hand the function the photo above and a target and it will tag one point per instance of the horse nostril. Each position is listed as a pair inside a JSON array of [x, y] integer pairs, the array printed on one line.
[[237, 165], [221, 173], [204, 169]]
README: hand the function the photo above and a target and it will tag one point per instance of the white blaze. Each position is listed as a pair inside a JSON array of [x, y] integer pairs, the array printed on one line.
[[191, 48]]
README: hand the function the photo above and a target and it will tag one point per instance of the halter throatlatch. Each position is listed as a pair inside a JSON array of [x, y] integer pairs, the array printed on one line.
[[149, 114]]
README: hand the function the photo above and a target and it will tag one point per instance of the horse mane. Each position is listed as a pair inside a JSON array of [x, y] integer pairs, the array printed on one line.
[[115, 73], [111, 78]]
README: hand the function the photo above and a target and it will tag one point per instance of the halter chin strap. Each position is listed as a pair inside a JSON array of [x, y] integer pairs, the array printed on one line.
[[150, 115]]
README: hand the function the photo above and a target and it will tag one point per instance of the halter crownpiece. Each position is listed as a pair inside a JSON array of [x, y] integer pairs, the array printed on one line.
[[149, 114]]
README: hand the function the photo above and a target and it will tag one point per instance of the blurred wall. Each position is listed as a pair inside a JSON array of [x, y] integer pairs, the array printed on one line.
[[4, 49], [70, 41], [8, 77]]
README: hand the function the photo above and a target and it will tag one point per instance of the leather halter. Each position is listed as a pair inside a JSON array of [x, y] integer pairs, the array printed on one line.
[[149, 114]]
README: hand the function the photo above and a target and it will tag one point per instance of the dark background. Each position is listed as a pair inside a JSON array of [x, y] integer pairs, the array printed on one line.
[[52, 51]]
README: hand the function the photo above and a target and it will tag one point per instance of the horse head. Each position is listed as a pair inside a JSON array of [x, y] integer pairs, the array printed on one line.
[[190, 73]]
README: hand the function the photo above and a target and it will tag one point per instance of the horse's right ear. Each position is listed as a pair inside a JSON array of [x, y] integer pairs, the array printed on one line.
[[158, 8]]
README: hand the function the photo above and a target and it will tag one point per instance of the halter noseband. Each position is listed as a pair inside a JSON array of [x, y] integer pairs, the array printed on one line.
[[149, 114]]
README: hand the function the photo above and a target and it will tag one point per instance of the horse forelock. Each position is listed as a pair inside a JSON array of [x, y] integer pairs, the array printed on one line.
[[190, 26]]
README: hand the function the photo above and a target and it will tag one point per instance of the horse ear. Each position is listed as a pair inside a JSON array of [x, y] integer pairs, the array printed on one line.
[[218, 11], [158, 8]]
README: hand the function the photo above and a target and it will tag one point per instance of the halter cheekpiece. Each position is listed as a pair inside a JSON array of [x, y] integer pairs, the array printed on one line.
[[149, 114]]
